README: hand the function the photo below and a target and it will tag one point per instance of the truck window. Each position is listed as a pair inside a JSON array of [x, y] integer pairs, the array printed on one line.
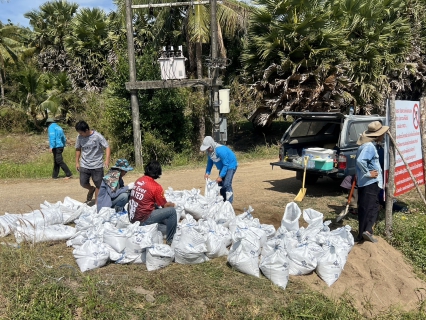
[[355, 130], [308, 128]]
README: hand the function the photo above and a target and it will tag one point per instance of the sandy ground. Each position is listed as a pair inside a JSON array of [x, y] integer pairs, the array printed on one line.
[[375, 277]]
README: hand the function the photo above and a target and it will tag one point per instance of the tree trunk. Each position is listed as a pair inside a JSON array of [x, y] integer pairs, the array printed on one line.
[[390, 189]]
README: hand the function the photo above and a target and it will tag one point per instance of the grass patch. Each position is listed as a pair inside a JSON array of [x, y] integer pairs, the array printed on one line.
[[40, 167], [42, 281]]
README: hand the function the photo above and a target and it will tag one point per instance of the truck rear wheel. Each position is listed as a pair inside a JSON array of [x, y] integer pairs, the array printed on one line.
[[310, 178]]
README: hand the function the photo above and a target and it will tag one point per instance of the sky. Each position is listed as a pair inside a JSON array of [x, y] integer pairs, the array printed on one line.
[[15, 9]]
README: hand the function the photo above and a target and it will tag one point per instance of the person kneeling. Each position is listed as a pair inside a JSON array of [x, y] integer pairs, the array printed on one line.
[[147, 203], [113, 193]]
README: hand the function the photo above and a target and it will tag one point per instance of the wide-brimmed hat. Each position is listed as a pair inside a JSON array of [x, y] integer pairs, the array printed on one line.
[[375, 129], [50, 120], [123, 164]]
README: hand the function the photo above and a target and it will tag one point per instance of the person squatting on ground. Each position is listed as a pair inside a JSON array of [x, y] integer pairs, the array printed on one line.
[[57, 142], [225, 161], [113, 193], [89, 153], [147, 203], [369, 179]]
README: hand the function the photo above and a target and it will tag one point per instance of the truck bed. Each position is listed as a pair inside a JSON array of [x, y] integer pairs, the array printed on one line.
[[294, 167]]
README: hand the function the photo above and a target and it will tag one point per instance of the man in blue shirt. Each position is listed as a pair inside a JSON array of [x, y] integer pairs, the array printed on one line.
[[225, 161], [57, 143], [369, 179]]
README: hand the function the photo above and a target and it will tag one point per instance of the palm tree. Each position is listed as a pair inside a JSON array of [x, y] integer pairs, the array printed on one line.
[[51, 24], [88, 45], [11, 46], [323, 55]]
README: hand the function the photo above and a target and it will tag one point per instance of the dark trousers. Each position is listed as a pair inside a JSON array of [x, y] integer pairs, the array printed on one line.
[[368, 208], [58, 162]]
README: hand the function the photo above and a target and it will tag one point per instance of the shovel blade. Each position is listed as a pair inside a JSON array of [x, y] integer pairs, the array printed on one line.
[[300, 195], [342, 214]]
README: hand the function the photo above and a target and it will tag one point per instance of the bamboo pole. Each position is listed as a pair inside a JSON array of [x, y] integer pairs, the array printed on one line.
[[408, 169], [390, 187]]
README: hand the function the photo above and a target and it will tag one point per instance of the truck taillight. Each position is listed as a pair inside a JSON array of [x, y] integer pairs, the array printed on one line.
[[280, 156], [342, 162]]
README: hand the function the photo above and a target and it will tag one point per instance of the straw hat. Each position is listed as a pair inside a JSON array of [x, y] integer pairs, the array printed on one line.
[[375, 129]]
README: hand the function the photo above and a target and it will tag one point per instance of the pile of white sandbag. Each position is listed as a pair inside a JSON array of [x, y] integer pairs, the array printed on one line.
[[292, 250], [45, 224], [208, 228]]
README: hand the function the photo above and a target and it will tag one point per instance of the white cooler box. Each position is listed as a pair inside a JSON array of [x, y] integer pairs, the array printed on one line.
[[321, 153]]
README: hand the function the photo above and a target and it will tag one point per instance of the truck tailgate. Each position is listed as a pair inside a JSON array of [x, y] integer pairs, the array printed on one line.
[[294, 167]]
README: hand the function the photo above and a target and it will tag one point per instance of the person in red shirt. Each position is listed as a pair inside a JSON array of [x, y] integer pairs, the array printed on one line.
[[147, 203]]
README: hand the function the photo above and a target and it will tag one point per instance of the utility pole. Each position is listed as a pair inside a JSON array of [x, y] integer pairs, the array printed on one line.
[[137, 141], [214, 75]]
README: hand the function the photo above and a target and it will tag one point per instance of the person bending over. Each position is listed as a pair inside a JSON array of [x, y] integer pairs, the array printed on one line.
[[225, 161], [113, 193], [147, 203]]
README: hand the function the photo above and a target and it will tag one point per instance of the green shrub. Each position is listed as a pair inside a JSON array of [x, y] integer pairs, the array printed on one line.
[[14, 120]]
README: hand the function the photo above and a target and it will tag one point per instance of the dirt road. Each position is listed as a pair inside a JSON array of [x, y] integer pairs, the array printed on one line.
[[374, 273], [255, 183]]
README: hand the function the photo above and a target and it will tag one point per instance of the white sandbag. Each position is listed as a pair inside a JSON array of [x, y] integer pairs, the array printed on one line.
[[211, 189], [191, 247], [7, 223], [216, 239], [72, 203], [271, 246], [291, 217], [329, 266], [276, 267], [127, 257], [302, 261], [141, 237], [70, 214], [159, 256], [244, 257], [116, 238], [269, 230], [25, 232], [120, 219], [342, 237], [225, 214], [215, 207], [91, 255], [243, 217], [313, 217]]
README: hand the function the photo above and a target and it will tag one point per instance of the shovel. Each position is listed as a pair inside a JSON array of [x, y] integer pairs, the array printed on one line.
[[345, 212], [302, 191]]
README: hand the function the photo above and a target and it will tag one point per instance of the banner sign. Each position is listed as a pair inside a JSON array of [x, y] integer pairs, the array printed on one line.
[[408, 139]]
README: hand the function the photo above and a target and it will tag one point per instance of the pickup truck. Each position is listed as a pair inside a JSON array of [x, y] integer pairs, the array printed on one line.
[[323, 130]]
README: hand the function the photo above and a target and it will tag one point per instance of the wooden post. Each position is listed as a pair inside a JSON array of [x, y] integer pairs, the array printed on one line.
[[423, 132], [137, 141], [390, 188], [214, 75]]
